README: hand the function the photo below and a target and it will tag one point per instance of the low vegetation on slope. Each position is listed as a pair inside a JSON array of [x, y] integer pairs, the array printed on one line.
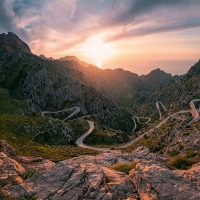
[[103, 136], [178, 139], [124, 167], [51, 138], [175, 95]]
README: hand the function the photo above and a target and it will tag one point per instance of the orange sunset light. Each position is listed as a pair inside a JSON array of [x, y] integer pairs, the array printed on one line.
[[97, 51]]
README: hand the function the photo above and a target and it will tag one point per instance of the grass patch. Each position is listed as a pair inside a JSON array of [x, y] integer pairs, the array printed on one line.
[[182, 162], [19, 130], [174, 153], [102, 137], [191, 154], [79, 126], [152, 143], [3, 183], [9, 105], [18, 127], [124, 167], [55, 153], [28, 174]]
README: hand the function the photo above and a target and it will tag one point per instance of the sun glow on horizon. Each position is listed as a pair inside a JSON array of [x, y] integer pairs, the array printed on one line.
[[97, 51]]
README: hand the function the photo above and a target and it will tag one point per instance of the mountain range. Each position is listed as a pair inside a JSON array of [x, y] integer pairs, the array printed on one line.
[[40, 157]]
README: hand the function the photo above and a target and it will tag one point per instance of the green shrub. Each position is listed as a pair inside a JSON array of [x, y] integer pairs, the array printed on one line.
[[181, 147], [3, 183], [102, 138], [187, 132], [181, 162], [28, 174], [174, 153], [124, 167], [145, 137], [191, 154]]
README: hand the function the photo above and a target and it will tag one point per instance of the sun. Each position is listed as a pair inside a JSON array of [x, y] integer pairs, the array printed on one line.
[[97, 51]]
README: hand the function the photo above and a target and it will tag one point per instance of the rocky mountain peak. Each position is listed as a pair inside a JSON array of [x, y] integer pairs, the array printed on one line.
[[156, 78], [158, 71], [45, 58], [12, 42], [74, 58], [194, 70]]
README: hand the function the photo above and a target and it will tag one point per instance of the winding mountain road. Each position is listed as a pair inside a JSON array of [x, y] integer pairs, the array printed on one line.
[[137, 118], [80, 143], [76, 111], [158, 108], [194, 111]]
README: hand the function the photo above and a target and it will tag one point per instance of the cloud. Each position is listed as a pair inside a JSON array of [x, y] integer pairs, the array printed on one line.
[[64, 24], [132, 9], [6, 15], [10, 19], [155, 27]]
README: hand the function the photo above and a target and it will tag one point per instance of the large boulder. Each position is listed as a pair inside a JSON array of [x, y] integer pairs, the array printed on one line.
[[154, 181], [10, 170], [76, 180]]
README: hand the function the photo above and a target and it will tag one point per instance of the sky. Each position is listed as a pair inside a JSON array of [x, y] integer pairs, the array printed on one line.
[[136, 35]]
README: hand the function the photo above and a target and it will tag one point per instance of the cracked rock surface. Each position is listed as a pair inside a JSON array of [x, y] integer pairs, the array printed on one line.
[[89, 177], [155, 181]]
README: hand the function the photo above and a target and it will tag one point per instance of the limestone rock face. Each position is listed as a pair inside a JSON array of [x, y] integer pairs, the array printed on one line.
[[88, 177], [10, 169], [154, 181], [48, 88], [76, 180], [193, 174]]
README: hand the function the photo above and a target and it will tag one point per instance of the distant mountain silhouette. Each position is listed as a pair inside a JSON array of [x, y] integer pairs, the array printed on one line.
[[157, 78], [74, 58], [45, 58]]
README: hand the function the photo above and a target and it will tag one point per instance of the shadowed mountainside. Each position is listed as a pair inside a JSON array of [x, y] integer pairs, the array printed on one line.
[[55, 85], [177, 94]]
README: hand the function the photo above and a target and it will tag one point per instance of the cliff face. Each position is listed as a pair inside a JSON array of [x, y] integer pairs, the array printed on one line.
[[50, 89], [53, 85], [92, 177]]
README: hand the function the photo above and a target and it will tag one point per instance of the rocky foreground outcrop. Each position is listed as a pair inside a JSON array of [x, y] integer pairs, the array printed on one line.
[[89, 177]]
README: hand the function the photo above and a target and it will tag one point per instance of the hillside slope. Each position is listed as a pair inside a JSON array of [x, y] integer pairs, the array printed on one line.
[[177, 94], [54, 85]]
